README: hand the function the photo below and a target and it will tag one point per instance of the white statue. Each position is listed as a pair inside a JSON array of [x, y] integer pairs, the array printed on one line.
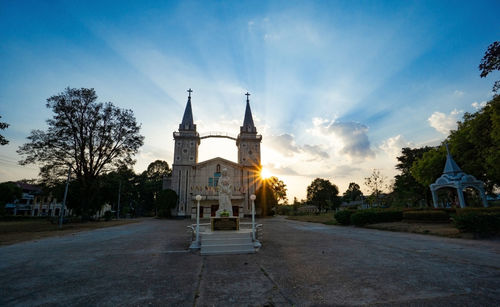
[[225, 190]]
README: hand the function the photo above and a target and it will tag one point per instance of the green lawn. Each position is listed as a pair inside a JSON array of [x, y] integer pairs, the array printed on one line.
[[324, 218]]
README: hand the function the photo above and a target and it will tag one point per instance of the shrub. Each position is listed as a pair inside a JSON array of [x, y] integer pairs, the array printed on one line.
[[108, 215], [344, 216], [478, 223], [428, 216], [461, 211], [363, 217]]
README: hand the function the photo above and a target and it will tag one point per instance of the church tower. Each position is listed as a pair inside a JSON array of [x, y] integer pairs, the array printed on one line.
[[248, 141], [185, 158]]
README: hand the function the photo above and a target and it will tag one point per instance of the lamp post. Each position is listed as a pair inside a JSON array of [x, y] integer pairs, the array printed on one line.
[[61, 212], [252, 197], [198, 198]]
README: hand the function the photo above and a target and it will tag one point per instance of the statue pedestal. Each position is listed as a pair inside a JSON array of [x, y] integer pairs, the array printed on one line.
[[225, 223]]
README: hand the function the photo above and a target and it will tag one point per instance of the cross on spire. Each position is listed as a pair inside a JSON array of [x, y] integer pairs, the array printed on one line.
[[189, 91], [247, 94]]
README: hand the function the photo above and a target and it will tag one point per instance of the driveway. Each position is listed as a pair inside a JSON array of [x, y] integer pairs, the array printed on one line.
[[299, 264]]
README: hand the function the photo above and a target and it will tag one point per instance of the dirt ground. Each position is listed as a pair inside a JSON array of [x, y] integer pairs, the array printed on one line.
[[29, 230]]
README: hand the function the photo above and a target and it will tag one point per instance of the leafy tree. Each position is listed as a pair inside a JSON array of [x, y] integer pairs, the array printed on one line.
[[428, 168], [151, 183], [406, 188], [265, 198], [9, 191], [375, 183], [122, 181], [157, 170], [165, 202], [278, 187], [491, 62], [3, 140], [94, 138], [322, 193], [352, 193], [475, 144]]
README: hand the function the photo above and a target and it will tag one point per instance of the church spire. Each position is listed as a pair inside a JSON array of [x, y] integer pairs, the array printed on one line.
[[187, 119], [248, 125], [451, 167]]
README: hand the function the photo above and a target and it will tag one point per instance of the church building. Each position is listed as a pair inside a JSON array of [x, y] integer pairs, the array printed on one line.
[[191, 178]]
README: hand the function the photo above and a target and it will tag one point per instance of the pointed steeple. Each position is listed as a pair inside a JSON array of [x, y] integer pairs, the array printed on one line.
[[451, 167], [248, 125], [187, 119]]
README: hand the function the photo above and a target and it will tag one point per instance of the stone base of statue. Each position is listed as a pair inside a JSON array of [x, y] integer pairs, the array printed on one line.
[[225, 223]]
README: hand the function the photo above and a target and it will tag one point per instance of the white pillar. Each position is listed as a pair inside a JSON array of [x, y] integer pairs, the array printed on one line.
[[461, 197], [252, 197], [434, 198], [198, 198]]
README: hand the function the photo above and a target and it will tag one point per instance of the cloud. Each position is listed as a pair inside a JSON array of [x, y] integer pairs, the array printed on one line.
[[285, 144], [393, 145], [478, 105], [444, 123], [355, 141], [458, 93]]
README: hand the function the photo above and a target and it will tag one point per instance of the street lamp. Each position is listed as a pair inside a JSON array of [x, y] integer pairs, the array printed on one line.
[[252, 197], [198, 198]]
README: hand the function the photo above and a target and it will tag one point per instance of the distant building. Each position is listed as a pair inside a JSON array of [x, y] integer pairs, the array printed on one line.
[[191, 178], [34, 203]]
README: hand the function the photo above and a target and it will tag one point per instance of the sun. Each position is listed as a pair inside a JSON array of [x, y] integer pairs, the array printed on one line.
[[265, 173]]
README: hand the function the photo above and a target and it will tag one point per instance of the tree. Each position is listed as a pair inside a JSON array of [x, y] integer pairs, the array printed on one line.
[[475, 144], [430, 166], [278, 187], [3, 140], [352, 193], [165, 202], [406, 188], [322, 193], [9, 191], [93, 138], [265, 198], [491, 62], [375, 183], [151, 183]]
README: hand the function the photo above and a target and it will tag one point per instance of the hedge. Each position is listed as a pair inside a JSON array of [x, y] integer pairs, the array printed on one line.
[[478, 223], [427, 216], [461, 211], [372, 216], [344, 216]]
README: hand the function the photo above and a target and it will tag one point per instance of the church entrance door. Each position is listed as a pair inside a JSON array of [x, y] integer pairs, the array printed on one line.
[[236, 211], [213, 210]]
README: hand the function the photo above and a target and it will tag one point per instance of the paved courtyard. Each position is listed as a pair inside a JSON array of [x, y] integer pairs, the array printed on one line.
[[300, 264]]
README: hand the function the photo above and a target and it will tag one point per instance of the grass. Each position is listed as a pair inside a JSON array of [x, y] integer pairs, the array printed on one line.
[[438, 229], [29, 230], [323, 218]]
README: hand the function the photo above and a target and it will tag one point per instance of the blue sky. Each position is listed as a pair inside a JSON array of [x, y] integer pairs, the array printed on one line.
[[338, 87]]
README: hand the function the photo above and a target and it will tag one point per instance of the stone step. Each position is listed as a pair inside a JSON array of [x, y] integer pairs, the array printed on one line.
[[218, 241], [220, 249], [228, 235]]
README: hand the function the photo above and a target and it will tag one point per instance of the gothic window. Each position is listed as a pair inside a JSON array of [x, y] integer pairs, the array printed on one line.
[[217, 169], [244, 145], [191, 158], [178, 143], [192, 144], [184, 150], [177, 158]]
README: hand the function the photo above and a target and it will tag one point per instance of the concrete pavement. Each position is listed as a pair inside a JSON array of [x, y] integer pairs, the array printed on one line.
[[300, 264]]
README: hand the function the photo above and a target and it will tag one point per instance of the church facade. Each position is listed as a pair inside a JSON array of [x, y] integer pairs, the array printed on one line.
[[191, 177]]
